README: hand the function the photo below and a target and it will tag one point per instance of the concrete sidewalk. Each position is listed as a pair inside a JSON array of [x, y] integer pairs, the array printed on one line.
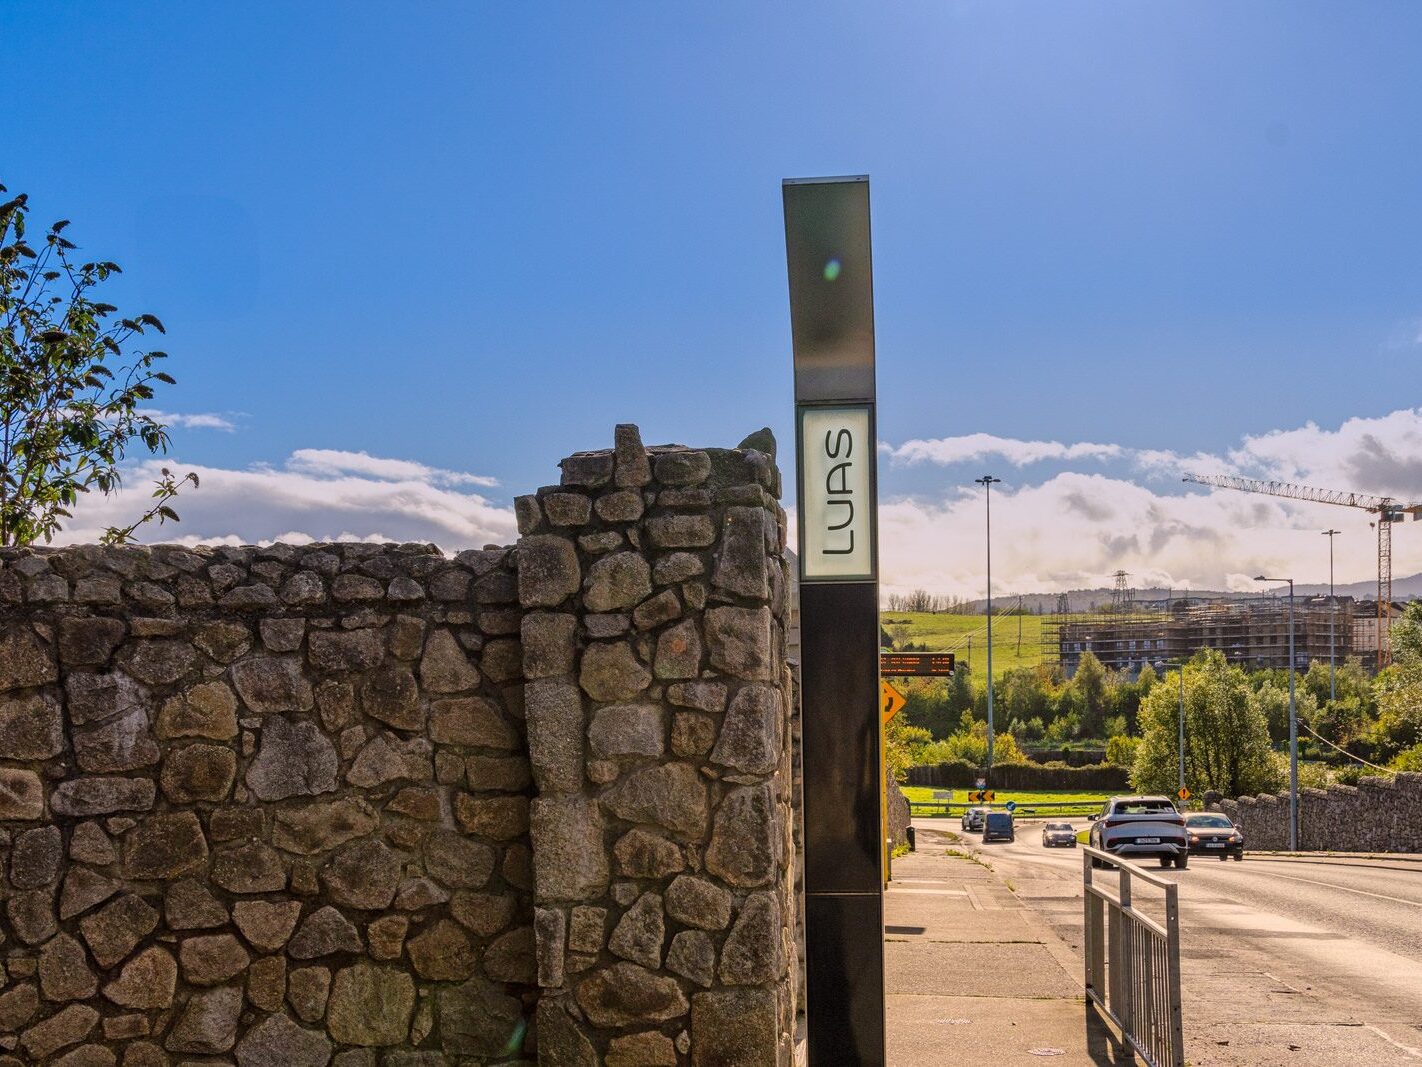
[[973, 977]]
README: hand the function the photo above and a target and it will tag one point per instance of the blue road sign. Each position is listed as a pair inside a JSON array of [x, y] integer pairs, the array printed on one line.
[[1012, 805]]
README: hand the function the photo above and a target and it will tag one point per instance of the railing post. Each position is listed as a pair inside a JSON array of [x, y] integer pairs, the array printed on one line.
[[1172, 963], [1127, 1010], [1088, 939]]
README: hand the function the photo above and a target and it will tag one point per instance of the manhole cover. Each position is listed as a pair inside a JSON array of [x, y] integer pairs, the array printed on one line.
[[1046, 1052]]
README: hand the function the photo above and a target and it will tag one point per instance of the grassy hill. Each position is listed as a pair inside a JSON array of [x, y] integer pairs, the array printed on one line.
[[966, 636]]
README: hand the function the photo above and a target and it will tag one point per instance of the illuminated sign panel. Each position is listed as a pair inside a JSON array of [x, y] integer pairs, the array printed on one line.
[[916, 664], [837, 494]]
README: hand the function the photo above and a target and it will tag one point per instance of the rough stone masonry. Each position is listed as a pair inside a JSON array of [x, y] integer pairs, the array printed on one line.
[[365, 804], [1379, 814]]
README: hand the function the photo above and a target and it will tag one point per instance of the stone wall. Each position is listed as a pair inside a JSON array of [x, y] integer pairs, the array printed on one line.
[[658, 703], [900, 814], [272, 805], [1378, 815], [267, 804]]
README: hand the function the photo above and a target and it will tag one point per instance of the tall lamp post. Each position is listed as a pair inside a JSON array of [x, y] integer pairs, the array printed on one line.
[[1293, 725], [987, 481], [1332, 621], [1181, 758]]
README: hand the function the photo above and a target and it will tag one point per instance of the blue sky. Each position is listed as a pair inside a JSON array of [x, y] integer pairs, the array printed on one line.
[[474, 237]]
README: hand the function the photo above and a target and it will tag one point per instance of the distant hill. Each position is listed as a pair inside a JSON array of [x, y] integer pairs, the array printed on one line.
[[1408, 588]]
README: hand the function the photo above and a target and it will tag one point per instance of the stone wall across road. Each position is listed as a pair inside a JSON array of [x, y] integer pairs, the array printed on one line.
[[273, 805], [1382, 814]]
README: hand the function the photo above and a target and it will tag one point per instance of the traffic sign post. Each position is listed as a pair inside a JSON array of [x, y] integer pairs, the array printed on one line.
[[1184, 793], [891, 701]]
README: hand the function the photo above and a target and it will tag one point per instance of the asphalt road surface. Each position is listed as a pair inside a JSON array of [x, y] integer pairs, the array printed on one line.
[[1284, 961]]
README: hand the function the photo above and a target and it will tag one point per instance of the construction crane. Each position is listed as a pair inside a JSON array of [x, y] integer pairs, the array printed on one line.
[[1387, 510]]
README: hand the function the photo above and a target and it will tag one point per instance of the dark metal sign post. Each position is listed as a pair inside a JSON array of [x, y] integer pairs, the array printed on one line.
[[832, 322]]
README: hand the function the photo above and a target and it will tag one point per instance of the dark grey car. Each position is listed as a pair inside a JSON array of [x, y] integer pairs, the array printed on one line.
[[1212, 832], [998, 826]]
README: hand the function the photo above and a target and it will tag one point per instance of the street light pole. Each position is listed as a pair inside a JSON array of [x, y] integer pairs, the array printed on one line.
[[1181, 785], [1332, 622], [987, 481], [1293, 726]]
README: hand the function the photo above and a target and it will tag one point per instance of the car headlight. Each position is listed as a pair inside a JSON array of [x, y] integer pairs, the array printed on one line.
[[1194, 838]]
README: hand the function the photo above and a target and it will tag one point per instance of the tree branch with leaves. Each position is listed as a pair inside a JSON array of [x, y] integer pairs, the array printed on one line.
[[73, 382]]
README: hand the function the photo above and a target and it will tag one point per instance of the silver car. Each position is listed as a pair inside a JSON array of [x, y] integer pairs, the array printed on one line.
[[1058, 833], [1133, 827], [973, 819]]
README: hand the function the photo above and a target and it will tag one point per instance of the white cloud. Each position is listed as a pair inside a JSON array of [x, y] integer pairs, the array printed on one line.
[[975, 446], [329, 461], [203, 420], [1075, 529], [1380, 455], [1163, 463], [318, 495]]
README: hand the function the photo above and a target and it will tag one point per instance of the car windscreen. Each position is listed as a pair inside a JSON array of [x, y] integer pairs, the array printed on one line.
[[1144, 807], [999, 820], [1058, 826], [1209, 820]]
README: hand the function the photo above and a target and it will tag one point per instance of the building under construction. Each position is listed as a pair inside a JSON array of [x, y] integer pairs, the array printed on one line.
[[1252, 633]]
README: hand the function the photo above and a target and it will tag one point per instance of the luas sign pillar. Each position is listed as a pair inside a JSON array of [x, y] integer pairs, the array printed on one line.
[[832, 322]]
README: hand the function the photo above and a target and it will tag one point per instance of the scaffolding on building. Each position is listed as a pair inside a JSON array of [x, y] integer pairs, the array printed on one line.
[[1250, 632]]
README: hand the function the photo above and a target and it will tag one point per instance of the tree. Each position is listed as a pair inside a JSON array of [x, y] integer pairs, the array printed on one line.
[[1121, 750], [1273, 701], [970, 746], [902, 745], [1399, 688], [927, 706], [1089, 681], [1227, 744], [71, 390]]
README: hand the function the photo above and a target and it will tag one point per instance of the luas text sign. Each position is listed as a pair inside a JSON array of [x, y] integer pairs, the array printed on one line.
[[837, 493]]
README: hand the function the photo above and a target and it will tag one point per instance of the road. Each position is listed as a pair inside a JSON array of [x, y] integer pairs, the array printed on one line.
[[1288, 961]]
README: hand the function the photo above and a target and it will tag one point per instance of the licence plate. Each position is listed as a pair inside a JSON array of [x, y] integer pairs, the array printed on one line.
[[1214, 844], [1147, 840]]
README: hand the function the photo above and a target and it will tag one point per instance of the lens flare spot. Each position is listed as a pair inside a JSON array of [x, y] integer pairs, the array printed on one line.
[[832, 270]]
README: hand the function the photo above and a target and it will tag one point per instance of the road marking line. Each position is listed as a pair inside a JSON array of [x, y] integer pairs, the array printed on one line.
[[1413, 1052], [1345, 889]]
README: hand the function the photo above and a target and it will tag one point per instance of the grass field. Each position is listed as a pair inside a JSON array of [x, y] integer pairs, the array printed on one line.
[[966, 636], [1025, 798]]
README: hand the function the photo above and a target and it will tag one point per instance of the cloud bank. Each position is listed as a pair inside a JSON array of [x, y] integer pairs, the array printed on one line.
[[1112, 508], [1075, 528], [317, 495]]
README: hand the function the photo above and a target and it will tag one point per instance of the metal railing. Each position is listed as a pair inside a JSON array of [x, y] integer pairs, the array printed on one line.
[[1133, 962]]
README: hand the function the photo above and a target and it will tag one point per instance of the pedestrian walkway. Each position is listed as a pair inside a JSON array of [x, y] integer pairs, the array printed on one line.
[[973, 977]]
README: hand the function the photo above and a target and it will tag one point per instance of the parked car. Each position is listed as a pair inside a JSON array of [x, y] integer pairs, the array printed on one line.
[[998, 826], [1058, 833], [1211, 832], [973, 819], [1141, 827]]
